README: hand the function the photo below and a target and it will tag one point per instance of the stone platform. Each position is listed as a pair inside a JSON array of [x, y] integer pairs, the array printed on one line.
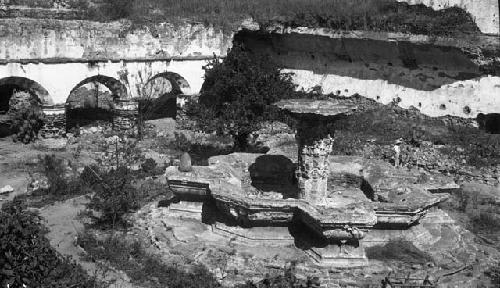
[[260, 201]]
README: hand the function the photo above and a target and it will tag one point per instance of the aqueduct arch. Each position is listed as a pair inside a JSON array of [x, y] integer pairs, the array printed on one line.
[[9, 85], [162, 91], [84, 106]]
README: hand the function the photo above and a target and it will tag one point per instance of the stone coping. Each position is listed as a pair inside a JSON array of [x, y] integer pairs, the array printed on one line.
[[325, 108]]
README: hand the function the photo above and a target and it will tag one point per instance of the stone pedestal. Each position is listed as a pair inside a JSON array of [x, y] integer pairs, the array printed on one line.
[[315, 144]]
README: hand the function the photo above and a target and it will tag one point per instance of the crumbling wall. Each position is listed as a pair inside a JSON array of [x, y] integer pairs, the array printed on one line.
[[485, 12], [437, 79], [57, 40]]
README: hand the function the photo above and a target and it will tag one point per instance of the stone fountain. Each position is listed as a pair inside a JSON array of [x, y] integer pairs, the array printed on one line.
[[256, 195]]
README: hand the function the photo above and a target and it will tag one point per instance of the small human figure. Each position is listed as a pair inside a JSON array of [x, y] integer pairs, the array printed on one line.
[[397, 154]]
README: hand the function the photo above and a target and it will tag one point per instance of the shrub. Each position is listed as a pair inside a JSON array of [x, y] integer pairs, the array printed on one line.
[[237, 94], [398, 250], [149, 167], [119, 150], [287, 280], [27, 117], [114, 197], [60, 185], [141, 267], [27, 257]]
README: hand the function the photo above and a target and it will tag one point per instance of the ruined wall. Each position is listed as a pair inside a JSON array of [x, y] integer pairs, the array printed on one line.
[[485, 12], [49, 39], [59, 54], [437, 79]]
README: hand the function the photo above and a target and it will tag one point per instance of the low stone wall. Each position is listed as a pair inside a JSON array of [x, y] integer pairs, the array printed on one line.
[[55, 122]]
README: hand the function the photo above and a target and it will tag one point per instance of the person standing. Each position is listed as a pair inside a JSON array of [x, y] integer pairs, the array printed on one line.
[[397, 152]]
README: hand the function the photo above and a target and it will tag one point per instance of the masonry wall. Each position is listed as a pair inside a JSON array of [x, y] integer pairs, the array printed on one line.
[[49, 39]]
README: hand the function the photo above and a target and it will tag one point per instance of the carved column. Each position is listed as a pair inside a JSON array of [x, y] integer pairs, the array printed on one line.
[[315, 144]]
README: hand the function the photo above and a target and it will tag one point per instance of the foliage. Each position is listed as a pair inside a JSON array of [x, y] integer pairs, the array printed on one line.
[[287, 280], [237, 94], [181, 142], [119, 150], [27, 257], [150, 168], [374, 15], [60, 184], [114, 197], [398, 250], [200, 148], [142, 268], [384, 124], [27, 117]]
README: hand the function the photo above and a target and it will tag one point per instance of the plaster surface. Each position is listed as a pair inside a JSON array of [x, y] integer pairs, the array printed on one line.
[[59, 79]]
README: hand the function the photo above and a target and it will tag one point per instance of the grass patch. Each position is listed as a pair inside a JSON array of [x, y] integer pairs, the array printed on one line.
[[373, 15], [141, 267], [398, 250], [378, 15]]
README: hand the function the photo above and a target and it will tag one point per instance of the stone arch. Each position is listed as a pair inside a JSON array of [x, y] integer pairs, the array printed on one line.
[[9, 84], [163, 103], [179, 84], [83, 107], [118, 89]]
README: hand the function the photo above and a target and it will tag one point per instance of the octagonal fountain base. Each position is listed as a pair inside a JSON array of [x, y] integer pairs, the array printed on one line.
[[255, 204]]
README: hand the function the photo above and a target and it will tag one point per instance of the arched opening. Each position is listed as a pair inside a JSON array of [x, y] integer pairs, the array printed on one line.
[[161, 93], [91, 102], [14, 93]]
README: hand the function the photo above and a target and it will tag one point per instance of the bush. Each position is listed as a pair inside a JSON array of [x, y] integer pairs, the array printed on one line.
[[60, 185], [287, 280], [27, 257], [114, 197], [398, 250], [143, 268], [27, 117]]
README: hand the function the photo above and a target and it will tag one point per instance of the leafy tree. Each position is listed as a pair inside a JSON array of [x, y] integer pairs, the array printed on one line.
[[238, 92]]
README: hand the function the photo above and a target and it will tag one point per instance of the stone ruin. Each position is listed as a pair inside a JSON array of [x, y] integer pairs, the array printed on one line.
[[329, 203]]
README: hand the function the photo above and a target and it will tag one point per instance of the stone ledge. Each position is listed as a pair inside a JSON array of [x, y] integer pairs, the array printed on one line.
[[256, 236]]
